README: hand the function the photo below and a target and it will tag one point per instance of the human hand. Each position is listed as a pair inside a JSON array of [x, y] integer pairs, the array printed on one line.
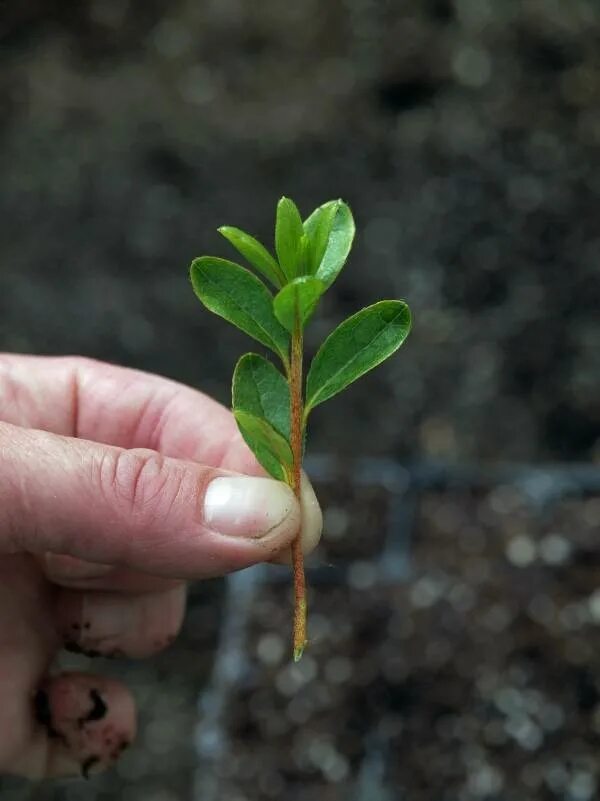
[[115, 487]]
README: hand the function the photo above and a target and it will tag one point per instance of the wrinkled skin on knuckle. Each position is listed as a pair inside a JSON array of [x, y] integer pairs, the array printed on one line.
[[141, 484]]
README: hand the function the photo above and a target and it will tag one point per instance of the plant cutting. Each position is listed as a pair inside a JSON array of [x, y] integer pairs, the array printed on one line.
[[272, 404]]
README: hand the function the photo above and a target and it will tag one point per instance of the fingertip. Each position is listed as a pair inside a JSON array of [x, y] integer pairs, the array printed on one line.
[[312, 516], [112, 624], [250, 507], [90, 721], [312, 523]]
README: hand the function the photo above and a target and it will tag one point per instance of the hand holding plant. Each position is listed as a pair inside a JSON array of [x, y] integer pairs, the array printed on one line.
[[272, 407]]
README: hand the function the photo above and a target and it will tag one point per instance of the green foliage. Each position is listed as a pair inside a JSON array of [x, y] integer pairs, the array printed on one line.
[[317, 228], [255, 254], [332, 222], [356, 346], [234, 293], [260, 389], [288, 238], [298, 299], [270, 448], [309, 257]]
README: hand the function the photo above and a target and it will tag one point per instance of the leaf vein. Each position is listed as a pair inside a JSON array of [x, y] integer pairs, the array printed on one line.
[[245, 311], [332, 378]]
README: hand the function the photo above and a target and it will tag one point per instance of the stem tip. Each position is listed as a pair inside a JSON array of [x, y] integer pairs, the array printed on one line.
[[298, 651]]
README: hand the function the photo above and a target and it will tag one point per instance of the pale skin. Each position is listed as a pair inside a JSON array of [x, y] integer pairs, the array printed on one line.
[[107, 508]]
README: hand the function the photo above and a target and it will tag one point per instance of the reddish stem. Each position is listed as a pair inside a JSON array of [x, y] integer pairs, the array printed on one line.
[[296, 431]]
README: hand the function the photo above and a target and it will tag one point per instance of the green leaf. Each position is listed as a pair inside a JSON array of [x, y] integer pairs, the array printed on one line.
[[288, 237], [259, 389], [304, 268], [340, 235], [255, 253], [270, 448], [300, 297], [317, 228], [241, 298], [356, 346]]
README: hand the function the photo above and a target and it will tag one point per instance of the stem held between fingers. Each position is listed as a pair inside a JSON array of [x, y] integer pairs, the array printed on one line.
[[296, 436]]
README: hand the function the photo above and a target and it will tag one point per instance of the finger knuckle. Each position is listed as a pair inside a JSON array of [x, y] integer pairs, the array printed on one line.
[[141, 483]]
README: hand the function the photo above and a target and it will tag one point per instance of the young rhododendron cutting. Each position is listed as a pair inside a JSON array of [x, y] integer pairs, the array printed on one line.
[[271, 405]]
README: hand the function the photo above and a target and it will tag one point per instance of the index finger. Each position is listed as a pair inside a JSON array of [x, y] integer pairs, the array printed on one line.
[[80, 397]]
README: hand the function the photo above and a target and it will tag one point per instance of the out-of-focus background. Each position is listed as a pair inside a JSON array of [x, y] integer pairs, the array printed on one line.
[[456, 601]]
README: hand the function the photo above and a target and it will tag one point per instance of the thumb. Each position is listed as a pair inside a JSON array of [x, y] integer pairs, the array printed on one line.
[[136, 508]]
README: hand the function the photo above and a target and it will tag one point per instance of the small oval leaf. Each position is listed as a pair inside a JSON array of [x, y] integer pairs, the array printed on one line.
[[288, 237], [356, 346], [255, 253], [241, 298], [260, 389], [318, 227], [339, 238], [270, 448], [300, 297]]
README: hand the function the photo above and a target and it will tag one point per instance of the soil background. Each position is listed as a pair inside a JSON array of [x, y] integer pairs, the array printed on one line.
[[465, 135]]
